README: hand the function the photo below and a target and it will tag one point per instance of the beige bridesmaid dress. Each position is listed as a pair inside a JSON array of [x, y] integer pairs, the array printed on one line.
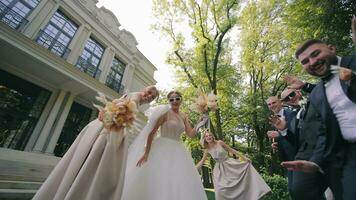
[[235, 180], [93, 168]]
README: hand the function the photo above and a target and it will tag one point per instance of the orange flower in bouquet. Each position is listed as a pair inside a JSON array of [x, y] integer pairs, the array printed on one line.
[[117, 114]]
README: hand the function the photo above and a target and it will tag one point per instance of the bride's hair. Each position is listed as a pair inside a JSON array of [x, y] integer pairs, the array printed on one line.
[[174, 92]]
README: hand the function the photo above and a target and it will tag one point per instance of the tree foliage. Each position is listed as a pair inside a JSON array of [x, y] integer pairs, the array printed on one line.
[[202, 55], [267, 32]]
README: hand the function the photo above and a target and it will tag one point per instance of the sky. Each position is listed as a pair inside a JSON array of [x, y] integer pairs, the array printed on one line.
[[136, 17]]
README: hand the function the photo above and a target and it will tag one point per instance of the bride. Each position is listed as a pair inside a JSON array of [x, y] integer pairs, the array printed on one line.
[[165, 170]]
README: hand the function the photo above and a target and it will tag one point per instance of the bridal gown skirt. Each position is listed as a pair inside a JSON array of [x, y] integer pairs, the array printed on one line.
[[235, 180], [168, 174], [92, 169]]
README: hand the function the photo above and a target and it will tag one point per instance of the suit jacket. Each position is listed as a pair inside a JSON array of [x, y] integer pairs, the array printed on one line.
[[329, 144], [286, 144]]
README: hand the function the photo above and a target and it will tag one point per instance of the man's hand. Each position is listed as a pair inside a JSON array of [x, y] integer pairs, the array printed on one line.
[[272, 134], [301, 165], [294, 82], [279, 123]]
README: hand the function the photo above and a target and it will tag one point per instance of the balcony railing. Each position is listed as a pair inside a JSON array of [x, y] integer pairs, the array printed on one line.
[[11, 17], [114, 84], [50, 43], [86, 66]]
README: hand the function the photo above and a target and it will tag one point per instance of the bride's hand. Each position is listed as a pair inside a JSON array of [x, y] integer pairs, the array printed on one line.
[[142, 160], [101, 115], [202, 121]]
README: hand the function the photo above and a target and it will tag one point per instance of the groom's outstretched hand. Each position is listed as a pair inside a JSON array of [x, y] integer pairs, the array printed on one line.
[[301, 165]]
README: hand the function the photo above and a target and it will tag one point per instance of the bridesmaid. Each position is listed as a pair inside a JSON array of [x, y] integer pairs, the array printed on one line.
[[94, 166], [233, 179]]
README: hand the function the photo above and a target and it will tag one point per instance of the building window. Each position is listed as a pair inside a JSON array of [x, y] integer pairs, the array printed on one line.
[[116, 73], [77, 119], [21, 105], [14, 12], [58, 34], [89, 61]]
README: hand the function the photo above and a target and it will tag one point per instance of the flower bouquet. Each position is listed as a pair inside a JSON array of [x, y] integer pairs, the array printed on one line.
[[344, 73], [205, 103], [117, 114]]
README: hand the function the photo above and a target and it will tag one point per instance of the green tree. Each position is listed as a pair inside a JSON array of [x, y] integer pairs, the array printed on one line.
[[202, 56], [270, 32], [264, 59], [326, 20]]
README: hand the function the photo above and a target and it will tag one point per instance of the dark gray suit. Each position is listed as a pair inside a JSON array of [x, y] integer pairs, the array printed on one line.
[[336, 156]]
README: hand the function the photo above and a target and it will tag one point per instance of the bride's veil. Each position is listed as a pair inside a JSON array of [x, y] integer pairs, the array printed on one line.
[[137, 148]]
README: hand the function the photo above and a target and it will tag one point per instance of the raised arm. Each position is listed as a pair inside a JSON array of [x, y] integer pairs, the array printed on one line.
[[233, 151], [188, 128], [150, 138], [201, 162]]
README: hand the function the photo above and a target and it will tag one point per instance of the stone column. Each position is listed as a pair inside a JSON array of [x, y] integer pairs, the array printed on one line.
[[59, 126], [41, 122], [40, 19], [106, 62], [128, 75], [41, 141], [78, 42]]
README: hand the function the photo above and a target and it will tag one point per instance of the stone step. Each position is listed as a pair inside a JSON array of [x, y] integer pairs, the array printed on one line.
[[27, 185], [18, 194]]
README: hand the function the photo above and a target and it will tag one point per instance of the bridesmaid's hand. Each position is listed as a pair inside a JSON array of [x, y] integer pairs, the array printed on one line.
[[279, 123], [142, 160], [244, 159], [101, 115]]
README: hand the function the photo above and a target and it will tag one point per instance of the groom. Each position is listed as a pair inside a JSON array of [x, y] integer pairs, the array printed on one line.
[[333, 99]]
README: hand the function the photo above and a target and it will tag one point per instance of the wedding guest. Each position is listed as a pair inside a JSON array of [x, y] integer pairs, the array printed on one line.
[[291, 97], [283, 141], [332, 105], [233, 179], [94, 166]]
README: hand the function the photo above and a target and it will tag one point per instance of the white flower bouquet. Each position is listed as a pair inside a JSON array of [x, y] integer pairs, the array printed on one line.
[[205, 103], [117, 114]]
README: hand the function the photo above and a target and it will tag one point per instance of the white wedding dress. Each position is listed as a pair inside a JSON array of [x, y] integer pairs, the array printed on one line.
[[169, 173]]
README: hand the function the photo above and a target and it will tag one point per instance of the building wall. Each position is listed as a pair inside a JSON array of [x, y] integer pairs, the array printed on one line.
[[23, 57]]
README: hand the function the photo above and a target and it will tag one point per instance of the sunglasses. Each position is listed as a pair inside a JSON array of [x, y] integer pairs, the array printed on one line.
[[289, 96], [175, 99]]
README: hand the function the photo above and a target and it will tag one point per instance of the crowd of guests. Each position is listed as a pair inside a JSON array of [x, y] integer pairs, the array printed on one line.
[[315, 133]]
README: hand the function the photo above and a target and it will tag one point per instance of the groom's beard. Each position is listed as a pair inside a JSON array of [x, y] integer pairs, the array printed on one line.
[[332, 60], [325, 63]]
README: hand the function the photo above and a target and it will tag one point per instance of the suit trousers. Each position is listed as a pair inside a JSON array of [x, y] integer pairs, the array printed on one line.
[[349, 173], [308, 186]]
